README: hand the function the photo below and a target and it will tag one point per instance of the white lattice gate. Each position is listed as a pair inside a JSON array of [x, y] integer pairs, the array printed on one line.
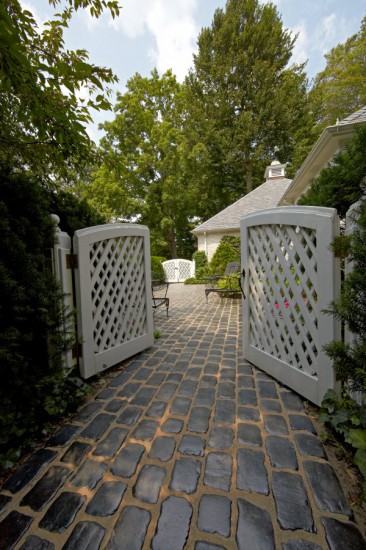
[[291, 277], [177, 271], [113, 294]]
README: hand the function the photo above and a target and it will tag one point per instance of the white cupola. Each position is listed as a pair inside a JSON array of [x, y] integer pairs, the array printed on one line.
[[275, 170]]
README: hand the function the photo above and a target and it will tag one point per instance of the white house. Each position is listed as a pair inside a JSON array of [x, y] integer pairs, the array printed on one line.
[[227, 222], [332, 141]]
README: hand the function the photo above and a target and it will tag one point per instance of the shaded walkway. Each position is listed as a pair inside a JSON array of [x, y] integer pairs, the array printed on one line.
[[188, 446]]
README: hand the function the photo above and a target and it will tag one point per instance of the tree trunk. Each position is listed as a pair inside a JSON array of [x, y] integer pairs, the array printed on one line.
[[249, 176], [172, 245]]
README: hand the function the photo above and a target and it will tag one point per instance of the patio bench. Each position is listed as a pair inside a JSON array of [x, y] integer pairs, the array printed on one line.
[[231, 274], [159, 290]]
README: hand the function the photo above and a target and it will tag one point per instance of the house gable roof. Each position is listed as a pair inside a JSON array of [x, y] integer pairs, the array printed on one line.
[[332, 140], [266, 195]]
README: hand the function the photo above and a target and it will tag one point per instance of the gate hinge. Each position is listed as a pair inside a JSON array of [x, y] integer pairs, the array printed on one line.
[[72, 261], [77, 351]]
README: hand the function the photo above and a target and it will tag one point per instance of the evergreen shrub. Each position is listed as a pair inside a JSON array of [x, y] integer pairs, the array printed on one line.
[[35, 388], [227, 251], [157, 267]]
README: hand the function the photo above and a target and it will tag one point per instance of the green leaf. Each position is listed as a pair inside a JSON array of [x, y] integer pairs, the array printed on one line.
[[357, 438], [360, 460]]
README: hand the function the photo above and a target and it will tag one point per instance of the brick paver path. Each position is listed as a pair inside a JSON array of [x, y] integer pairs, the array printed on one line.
[[188, 446]]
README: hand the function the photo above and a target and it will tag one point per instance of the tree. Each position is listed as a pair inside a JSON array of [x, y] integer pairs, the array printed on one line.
[[144, 176], [339, 184], [244, 100], [340, 89], [42, 126]]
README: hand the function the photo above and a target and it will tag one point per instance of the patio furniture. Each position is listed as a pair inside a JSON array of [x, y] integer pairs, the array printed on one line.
[[232, 269], [159, 290]]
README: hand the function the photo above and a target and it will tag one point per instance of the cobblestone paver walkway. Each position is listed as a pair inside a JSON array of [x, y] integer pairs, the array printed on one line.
[[189, 447]]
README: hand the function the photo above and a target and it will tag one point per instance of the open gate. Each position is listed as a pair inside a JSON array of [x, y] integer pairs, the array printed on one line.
[[291, 277], [177, 271], [113, 293]]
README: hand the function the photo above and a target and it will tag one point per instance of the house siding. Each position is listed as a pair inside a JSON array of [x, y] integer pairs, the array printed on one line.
[[209, 242]]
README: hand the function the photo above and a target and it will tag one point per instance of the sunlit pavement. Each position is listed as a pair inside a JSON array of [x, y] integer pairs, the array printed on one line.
[[187, 446]]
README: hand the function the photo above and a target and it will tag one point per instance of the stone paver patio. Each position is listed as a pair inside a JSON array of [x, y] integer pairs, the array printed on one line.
[[188, 446]]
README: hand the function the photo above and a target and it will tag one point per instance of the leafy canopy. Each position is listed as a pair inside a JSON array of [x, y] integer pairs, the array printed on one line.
[[243, 100], [144, 176], [42, 118]]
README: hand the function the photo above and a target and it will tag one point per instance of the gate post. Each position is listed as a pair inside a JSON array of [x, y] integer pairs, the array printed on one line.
[[61, 251]]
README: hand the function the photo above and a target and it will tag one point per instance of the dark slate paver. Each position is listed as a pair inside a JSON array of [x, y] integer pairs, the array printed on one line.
[[28, 471], [185, 475], [218, 471], [221, 437], [198, 420], [275, 424], [301, 422], [327, 491], [63, 436], [267, 389], [97, 426], [173, 525], [300, 545], [129, 416], [281, 452], [247, 397], [214, 515], [255, 529], [145, 431], [249, 434], [62, 512], [111, 443], [156, 409], [293, 507], [180, 406], [106, 500], [337, 532], [89, 474], [143, 396], [75, 453], [248, 413], [148, 484], [12, 528], [252, 473], [201, 545], [162, 449], [86, 535], [192, 445], [130, 529], [127, 460], [310, 445], [172, 426], [4, 501], [45, 488], [37, 543], [225, 411], [205, 397]]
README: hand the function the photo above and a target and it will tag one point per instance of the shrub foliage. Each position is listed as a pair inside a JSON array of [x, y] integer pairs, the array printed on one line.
[[35, 388]]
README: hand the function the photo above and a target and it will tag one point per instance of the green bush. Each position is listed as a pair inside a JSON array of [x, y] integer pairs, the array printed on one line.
[[200, 258], [157, 267], [202, 272], [193, 281], [74, 213], [227, 251], [35, 389]]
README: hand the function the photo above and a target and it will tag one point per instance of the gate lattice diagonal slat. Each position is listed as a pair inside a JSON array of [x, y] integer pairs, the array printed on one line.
[[291, 277], [113, 294]]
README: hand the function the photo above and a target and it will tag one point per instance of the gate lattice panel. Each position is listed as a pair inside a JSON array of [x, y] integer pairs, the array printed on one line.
[[177, 271], [291, 277], [113, 298]]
